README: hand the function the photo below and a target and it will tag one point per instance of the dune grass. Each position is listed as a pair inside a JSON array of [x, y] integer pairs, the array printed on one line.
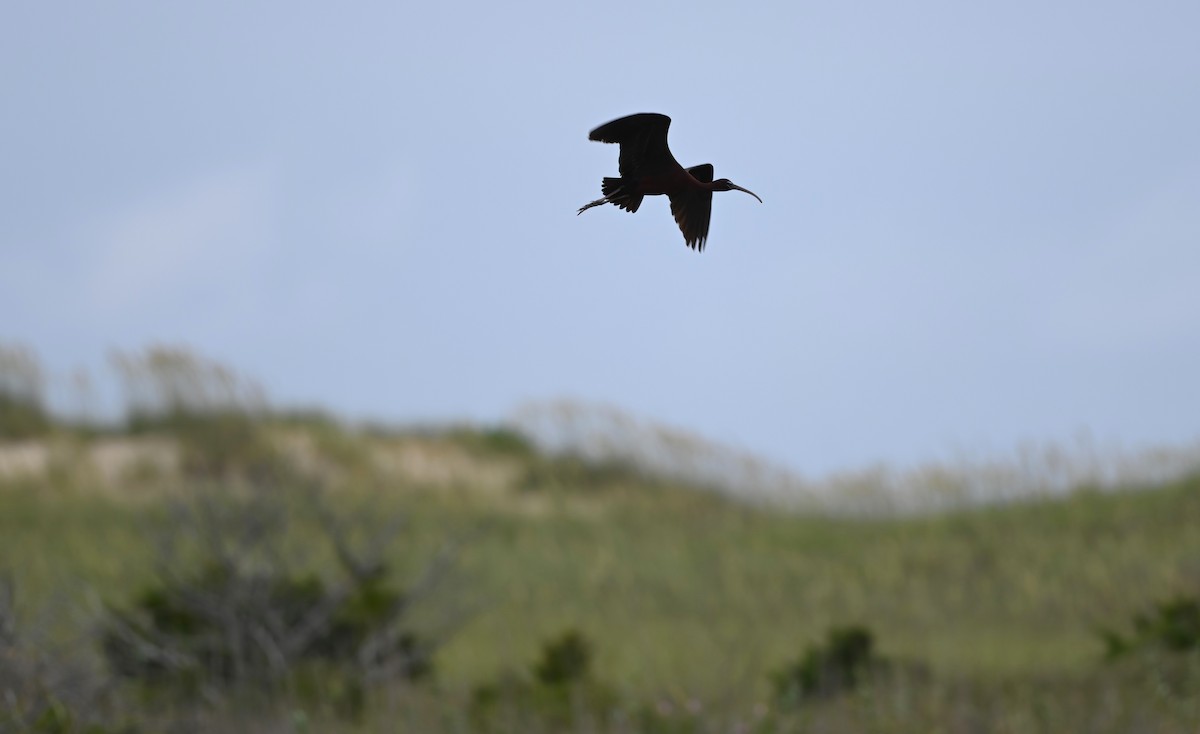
[[681, 590]]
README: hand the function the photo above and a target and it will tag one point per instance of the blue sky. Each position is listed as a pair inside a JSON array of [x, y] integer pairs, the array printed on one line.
[[981, 224]]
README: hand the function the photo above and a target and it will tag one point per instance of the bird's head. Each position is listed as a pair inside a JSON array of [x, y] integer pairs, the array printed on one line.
[[724, 184]]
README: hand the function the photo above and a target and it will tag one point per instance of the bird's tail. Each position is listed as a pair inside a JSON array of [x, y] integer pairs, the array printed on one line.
[[617, 191]]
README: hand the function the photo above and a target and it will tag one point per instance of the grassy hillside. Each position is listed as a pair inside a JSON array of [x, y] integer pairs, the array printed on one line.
[[682, 594]]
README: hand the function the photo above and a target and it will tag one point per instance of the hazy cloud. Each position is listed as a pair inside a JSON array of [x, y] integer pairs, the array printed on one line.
[[196, 234]]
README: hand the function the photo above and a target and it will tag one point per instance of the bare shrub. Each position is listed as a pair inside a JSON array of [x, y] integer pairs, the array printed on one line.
[[44, 686], [239, 603]]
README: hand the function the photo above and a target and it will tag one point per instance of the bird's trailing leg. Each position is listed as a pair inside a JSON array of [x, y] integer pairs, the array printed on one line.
[[619, 191], [597, 202]]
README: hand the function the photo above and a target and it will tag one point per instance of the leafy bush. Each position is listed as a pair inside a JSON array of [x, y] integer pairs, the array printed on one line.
[[1172, 625], [827, 670], [565, 660], [560, 692]]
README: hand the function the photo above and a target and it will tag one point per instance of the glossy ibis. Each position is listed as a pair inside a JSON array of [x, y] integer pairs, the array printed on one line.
[[648, 168]]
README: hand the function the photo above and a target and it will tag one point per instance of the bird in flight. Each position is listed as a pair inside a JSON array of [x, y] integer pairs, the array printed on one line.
[[648, 169]]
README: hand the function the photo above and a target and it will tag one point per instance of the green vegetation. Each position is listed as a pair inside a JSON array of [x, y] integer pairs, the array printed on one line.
[[1172, 626], [577, 595], [22, 414], [21, 419], [827, 670], [230, 609], [565, 661]]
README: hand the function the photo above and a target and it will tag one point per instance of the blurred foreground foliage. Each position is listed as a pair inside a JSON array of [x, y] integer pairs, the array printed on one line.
[[283, 572]]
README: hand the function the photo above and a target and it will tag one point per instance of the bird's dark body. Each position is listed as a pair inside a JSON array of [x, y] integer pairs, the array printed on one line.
[[649, 169], [663, 183]]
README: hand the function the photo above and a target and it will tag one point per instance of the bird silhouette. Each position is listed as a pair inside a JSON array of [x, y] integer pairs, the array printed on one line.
[[648, 169]]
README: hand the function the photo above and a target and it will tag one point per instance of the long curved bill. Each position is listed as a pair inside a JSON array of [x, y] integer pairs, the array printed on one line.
[[748, 191]]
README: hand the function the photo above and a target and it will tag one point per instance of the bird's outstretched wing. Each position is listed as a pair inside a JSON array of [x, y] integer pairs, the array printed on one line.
[[693, 208], [643, 141]]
